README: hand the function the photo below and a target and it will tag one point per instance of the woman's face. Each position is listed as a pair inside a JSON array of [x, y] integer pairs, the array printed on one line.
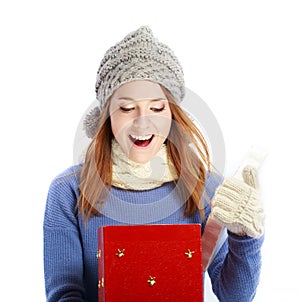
[[140, 119]]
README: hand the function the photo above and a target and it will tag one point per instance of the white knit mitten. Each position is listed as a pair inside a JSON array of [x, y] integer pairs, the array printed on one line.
[[237, 205]]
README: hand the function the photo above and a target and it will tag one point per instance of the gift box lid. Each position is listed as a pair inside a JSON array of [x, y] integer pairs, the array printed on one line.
[[150, 263]]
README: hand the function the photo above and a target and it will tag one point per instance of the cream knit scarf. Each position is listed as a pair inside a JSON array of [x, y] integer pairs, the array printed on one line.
[[127, 174]]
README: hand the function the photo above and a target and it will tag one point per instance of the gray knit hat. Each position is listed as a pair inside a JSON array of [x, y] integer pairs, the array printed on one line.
[[139, 56]]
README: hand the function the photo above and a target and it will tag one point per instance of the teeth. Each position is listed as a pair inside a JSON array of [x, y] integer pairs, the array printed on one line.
[[141, 138]]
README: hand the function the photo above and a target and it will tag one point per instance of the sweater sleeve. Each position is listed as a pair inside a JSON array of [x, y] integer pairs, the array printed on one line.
[[235, 270], [63, 263]]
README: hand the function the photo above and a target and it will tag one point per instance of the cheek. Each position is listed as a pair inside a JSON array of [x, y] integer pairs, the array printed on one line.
[[118, 125], [165, 125], [167, 128], [115, 125]]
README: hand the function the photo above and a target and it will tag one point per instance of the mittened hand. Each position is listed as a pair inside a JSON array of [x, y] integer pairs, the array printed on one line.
[[237, 205]]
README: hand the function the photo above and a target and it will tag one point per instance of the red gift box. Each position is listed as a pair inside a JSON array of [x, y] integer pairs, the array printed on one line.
[[150, 263]]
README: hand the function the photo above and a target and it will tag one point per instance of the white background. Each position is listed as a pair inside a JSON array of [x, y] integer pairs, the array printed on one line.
[[241, 57]]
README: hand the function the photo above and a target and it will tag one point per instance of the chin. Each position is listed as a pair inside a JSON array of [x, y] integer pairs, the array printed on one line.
[[140, 158]]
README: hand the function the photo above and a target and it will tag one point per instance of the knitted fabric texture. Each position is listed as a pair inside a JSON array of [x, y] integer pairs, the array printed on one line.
[[70, 264], [237, 206], [139, 56], [137, 176]]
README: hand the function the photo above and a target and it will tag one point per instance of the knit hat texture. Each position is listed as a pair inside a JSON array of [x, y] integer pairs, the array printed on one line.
[[139, 56]]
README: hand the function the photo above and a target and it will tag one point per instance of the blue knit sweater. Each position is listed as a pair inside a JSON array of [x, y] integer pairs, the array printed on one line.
[[70, 263]]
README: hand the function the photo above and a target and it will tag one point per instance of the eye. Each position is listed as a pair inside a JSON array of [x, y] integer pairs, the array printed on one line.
[[158, 109], [126, 109]]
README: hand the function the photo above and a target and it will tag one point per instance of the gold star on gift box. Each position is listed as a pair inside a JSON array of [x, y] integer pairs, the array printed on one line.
[[151, 281], [120, 253], [189, 254]]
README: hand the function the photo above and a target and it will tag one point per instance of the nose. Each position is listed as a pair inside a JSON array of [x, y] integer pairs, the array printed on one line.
[[142, 119]]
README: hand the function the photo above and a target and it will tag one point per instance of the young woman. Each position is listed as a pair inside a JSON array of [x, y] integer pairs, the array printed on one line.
[[147, 163]]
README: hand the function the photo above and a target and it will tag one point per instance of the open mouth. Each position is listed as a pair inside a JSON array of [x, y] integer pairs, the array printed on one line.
[[141, 141]]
